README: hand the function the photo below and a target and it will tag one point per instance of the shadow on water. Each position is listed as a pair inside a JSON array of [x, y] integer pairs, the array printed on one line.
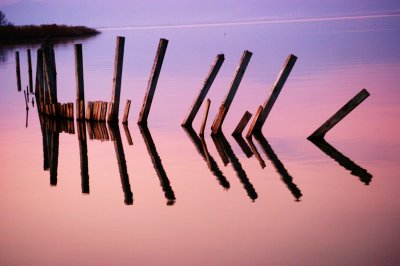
[[280, 168], [344, 161], [256, 153], [201, 148], [221, 143], [123, 171], [155, 158]]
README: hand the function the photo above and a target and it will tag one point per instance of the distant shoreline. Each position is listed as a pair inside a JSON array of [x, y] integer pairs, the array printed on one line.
[[32, 33]]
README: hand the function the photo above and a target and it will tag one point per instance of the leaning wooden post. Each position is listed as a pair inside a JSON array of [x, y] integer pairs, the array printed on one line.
[[276, 89], [126, 112], [18, 69], [339, 115], [80, 89], [116, 92], [152, 84], [242, 124], [203, 92], [253, 123], [203, 124], [219, 119], [30, 71]]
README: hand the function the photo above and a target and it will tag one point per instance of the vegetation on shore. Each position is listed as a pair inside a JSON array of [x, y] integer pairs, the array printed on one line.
[[10, 33]]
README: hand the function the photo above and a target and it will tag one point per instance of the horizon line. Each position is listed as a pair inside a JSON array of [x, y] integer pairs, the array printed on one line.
[[256, 22]]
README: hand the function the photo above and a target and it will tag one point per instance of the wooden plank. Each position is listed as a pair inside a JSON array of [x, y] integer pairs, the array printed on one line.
[[215, 67], [18, 70], [276, 89], [220, 117], [253, 123], [80, 89], [203, 123], [126, 112], [152, 84], [242, 123], [116, 91], [30, 71], [339, 115]]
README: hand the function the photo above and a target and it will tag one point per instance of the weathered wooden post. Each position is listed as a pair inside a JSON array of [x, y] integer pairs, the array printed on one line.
[[39, 86], [80, 89], [152, 84], [116, 92], [30, 71], [219, 119], [18, 70], [204, 90], [126, 112], [242, 124], [203, 124], [276, 89], [50, 72], [339, 115], [253, 123]]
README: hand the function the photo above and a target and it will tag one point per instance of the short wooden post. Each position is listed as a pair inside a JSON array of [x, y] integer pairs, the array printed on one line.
[[80, 89], [339, 115], [116, 91], [253, 123], [89, 111], [219, 119], [276, 89], [126, 112], [18, 70], [215, 67], [30, 71], [242, 124], [203, 124], [152, 84]]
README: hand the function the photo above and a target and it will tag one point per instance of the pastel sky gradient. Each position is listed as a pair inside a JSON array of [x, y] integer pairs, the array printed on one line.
[[106, 13]]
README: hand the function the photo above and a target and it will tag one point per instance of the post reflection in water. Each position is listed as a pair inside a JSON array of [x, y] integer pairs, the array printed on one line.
[[123, 171], [344, 161], [26, 118], [128, 134], [201, 148], [256, 153], [280, 168], [156, 160], [83, 152], [243, 145], [221, 141]]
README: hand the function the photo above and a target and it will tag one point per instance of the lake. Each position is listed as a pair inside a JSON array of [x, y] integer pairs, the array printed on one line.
[[163, 196]]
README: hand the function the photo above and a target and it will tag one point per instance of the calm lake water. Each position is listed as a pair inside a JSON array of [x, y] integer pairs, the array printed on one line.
[[176, 200]]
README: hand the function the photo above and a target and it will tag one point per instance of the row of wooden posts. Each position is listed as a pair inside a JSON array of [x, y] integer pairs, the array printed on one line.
[[46, 92]]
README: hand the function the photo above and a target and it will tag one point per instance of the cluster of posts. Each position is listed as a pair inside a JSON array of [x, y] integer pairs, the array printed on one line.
[[56, 117]]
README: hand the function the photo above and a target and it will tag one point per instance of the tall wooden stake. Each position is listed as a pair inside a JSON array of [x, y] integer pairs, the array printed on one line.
[[276, 89], [80, 89], [151, 86], [219, 119], [116, 92], [203, 92], [18, 70], [30, 71], [339, 115]]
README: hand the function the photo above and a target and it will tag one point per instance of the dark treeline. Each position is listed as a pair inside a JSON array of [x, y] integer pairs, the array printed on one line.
[[11, 33]]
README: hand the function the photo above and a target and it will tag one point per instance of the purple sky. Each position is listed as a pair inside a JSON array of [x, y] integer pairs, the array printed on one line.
[[106, 13]]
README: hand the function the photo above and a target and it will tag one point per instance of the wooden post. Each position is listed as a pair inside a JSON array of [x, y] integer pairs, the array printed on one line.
[[215, 67], [80, 89], [339, 115], [126, 112], [219, 119], [50, 72], [276, 89], [203, 124], [152, 84], [242, 124], [30, 71], [39, 86], [253, 123], [116, 91], [18, 70]]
